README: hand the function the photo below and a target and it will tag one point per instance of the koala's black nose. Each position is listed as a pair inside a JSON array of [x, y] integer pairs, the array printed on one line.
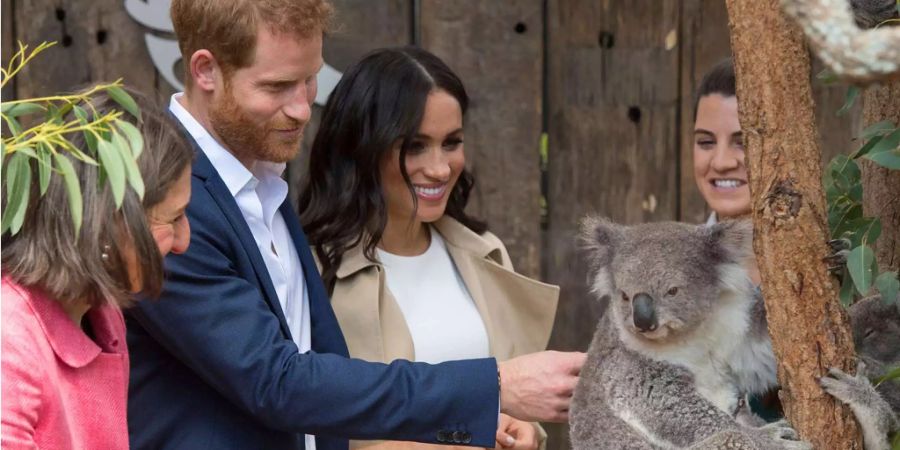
[[643, 312]]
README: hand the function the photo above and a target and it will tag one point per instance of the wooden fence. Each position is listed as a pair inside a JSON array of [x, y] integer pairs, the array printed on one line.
[[610, 82]]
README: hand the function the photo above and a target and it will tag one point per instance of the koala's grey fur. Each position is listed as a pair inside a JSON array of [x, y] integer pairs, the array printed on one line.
[[869, 13], [876, 335], [682, 342]]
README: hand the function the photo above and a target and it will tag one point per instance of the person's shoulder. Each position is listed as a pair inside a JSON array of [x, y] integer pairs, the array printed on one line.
[[16, 305], [22, 332]]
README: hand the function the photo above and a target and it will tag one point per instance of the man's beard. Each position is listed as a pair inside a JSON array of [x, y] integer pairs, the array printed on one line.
[[246, 139]]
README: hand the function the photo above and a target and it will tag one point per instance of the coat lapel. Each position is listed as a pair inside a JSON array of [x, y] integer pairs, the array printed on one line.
[[518, 312], [204, 170], [326, 333]]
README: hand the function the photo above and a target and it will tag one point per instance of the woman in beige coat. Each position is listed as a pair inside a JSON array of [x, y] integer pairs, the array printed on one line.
[[412, 276]]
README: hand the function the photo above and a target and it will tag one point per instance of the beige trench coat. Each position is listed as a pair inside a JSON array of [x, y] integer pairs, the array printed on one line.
[[517, 311]]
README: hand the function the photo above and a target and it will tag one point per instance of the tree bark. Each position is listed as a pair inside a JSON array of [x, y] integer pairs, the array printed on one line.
[[881, 186], [810, 330]]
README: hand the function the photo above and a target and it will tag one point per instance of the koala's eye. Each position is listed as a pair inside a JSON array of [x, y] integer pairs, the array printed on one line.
[[672, 291], [624, 296]]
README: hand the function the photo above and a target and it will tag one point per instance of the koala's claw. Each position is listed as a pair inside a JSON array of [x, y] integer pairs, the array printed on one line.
[[844, 386], [781, 430], [837, 245]]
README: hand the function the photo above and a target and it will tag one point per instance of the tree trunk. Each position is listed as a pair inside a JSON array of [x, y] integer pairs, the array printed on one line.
[[881, 186], [810, 330]]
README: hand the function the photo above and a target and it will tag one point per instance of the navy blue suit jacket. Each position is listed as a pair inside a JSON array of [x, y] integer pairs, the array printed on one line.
[[213, 365]]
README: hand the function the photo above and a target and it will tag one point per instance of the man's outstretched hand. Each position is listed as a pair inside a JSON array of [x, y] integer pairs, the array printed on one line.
[[539, 386]]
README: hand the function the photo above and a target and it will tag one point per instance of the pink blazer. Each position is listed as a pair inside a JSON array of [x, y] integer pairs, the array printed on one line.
[[61, 390]]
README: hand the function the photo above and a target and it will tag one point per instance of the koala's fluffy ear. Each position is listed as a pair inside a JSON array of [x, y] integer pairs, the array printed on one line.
[[600, 236], [730, 241]]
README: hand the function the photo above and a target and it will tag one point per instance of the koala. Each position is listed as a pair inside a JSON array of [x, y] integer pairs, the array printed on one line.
[[869, 13], [682, 342], [876, 335]]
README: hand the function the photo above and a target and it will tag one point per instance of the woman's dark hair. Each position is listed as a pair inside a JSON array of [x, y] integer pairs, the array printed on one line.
[[718, 80], [47, 254], [380, 100]]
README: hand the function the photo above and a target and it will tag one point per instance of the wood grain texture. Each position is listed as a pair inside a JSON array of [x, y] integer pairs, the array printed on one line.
[[360, 26], [8, 44], [496, 48], [97, 41], [810, 330]]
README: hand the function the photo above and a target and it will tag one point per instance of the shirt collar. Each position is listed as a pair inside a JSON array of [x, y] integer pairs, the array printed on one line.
[[454, 234], [235, 175]]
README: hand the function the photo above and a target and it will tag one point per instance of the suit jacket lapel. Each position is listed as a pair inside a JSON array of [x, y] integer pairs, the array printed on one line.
[[203, 169], [326, 332]]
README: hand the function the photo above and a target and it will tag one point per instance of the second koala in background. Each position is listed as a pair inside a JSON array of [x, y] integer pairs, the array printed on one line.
[[684, 339], [876, 335]]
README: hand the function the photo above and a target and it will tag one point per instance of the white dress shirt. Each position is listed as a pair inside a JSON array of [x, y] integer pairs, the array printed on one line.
[[259, 191]]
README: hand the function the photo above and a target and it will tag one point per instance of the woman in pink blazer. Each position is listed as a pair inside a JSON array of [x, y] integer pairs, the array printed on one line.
[[64, 356]]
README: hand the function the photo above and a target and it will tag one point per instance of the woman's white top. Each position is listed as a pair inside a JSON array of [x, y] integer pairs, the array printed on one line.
[[442, 318]]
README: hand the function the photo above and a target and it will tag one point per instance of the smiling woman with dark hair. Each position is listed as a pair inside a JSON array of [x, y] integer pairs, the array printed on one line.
[[412, 275], [65, 362]]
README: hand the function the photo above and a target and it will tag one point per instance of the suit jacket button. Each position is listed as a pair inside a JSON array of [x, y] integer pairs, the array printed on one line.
[[442, 436], [458, 437], [467, 437]]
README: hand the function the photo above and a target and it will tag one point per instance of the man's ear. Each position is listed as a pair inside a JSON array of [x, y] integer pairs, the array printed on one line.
[[204, 70]]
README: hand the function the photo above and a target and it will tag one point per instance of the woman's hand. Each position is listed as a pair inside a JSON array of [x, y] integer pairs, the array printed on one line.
[[516, 434]]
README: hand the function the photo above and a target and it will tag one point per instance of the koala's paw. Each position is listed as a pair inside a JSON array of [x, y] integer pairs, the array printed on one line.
[[784, 436], [840, 249], [845, 387]]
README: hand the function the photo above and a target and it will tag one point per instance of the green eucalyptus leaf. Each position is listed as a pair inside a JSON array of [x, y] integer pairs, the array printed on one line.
[[73, 187], [846, 292], [54, 114], [852, 93], [868, 229], [877, 129], [867, 147], [13, 125], [124, 100], [135, 139], [18, 188], [27, 151], [887, 151], [844, 220], [65, 109], [889, 159], [114, 168], [888, 285], [859, 263], [21, 109], [130, 163], [89, 138], [81, 114], [45, 167]]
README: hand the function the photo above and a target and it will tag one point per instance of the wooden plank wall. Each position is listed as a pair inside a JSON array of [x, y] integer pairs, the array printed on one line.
[[611, 82], [497, 50]]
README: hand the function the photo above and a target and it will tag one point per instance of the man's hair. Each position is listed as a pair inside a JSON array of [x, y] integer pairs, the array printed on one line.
[[47, 254], [718, 80], [228, 28]]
